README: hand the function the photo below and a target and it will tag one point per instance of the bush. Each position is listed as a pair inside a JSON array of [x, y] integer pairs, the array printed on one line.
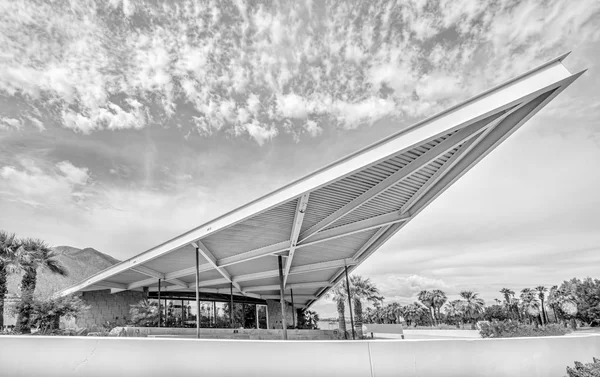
[[512, 329], [46, 314], [144, 313], [587, 370]]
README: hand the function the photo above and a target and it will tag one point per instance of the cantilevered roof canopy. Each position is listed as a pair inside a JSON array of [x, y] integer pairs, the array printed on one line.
[[340, 214]]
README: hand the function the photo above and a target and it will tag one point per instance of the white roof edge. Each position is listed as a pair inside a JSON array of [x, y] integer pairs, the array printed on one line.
[[497, 98]]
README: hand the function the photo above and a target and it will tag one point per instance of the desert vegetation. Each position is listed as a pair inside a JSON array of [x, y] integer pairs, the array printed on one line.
[[26, 257], [537, 311]]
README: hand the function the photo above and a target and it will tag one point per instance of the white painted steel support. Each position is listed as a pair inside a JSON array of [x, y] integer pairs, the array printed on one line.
[[412, 167], [282, 298], [203, 250], [296, 227]]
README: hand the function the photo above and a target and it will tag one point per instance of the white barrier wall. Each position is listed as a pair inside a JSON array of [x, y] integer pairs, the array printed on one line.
[[101, 356]]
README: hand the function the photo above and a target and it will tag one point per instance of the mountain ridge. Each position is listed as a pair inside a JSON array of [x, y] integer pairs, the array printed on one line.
[[80, 264]]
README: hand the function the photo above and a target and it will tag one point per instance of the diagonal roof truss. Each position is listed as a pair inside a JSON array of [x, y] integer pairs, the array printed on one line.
[[341, 214]]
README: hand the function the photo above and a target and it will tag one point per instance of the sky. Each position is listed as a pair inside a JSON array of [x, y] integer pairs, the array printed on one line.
[[126, 123]]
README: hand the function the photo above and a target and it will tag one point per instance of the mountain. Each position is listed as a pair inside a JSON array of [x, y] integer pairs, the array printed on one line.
[[80, 264]]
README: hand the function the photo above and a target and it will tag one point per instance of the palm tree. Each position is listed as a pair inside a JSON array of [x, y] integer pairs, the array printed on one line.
[[412, 313], [511, 304], [439, 299], [455, 311], [33, 254], [311, 318], [531, 305], [9, 244], [552, 302], [426, 299], [362, 289], [542, 295], [473, 305], [144, 313], [396, 311], [339, 295]]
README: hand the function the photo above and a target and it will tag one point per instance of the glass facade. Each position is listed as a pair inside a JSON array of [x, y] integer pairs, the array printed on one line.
[[176, 312]]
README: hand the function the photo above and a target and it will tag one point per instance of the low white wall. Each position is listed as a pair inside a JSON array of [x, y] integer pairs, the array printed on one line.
[[90, 356]]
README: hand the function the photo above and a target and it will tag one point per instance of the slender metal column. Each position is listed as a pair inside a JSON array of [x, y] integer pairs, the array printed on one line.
[[166, 313], [182, 314], [282, 297], [159, 312], [231, 303], [197, 296], [349, 301], [293, 308], [215, 312]]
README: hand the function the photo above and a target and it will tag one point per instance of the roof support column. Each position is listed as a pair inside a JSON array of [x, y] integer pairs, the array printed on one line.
[[349, 301], [282, 297], [231, 303], [293, 308], [197, 295], [159, 313]]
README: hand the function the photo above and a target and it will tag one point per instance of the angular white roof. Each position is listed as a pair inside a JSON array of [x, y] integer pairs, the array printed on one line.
[[342, 213]]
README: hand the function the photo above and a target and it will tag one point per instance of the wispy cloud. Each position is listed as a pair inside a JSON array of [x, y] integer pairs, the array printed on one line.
[[130, 64]]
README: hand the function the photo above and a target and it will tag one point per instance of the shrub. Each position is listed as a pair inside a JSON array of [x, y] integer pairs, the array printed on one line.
[[512, 329], [585, 370], [45, 314], [144, 313]]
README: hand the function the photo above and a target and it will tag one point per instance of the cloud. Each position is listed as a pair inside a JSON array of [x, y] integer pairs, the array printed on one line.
[[370, 110], [292, 106], [313, 128], [8, 123], [410, 286], [42, 186], [259, 133], [101, 56]]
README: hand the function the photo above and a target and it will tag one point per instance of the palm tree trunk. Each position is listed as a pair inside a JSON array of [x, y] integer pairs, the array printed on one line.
[[341, 317], [358, 318], [27, 289], [544, 317], [555, 316], [2, 294]]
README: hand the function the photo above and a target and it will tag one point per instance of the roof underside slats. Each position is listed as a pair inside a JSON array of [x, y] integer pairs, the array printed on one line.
[[339, 215]]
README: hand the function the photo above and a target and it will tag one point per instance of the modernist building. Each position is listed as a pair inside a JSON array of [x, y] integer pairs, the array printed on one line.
[[288, 248]]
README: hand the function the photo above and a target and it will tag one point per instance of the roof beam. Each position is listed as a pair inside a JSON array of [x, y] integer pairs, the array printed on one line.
[[203, 250], [356, 227], [110, 284], [296, 227], [296, 270], [253, 254], [465, 148], [288, 297], [405, 172], [315, 284], [239, 258], [488, 143], [156, 275]]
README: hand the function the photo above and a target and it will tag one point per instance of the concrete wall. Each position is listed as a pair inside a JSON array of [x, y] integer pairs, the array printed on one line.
[[105, 306], [274, 313], [101, 356]]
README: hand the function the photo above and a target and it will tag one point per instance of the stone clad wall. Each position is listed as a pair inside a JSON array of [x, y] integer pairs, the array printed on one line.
[[105, 306], [274, 313]]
